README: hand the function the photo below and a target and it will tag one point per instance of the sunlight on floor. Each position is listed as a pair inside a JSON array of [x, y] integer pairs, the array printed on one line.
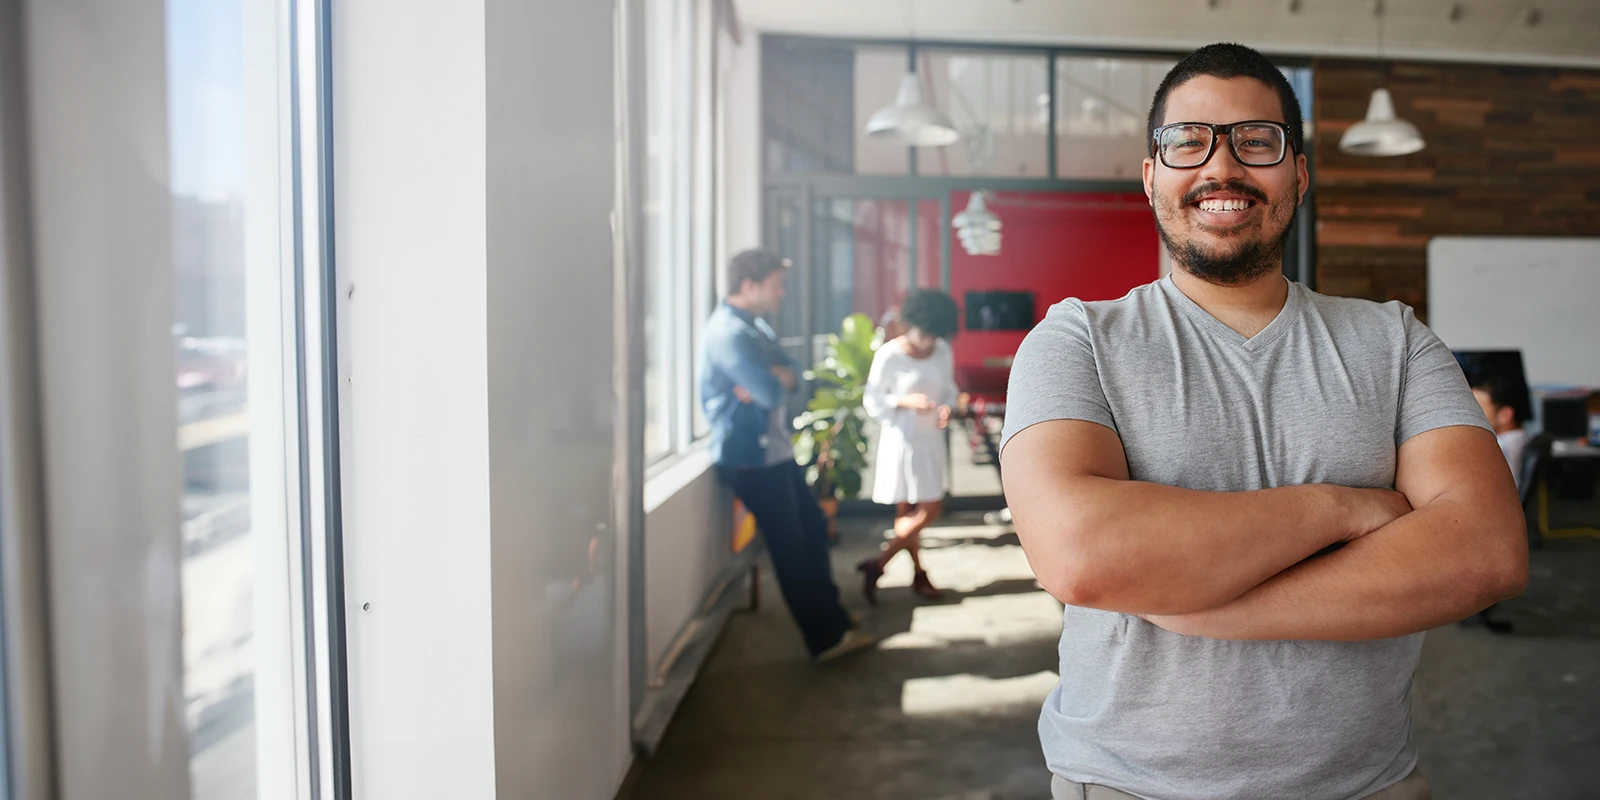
[[974, 694], [963, 558], [989, 620]]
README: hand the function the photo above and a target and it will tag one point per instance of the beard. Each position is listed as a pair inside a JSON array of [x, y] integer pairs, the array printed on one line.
[[1253, 254]]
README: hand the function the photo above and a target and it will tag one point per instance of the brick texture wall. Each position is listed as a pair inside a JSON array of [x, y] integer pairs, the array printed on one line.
[[1511, 151]]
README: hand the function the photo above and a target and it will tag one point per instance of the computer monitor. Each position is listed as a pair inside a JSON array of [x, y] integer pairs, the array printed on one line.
[[1503, 367], [999, 311], [1565, 415]]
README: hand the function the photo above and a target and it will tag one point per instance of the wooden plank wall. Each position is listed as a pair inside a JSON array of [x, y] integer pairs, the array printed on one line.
[[1510, 151]]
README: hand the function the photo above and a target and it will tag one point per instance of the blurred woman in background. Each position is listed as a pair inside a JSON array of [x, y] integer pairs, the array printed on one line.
[[911, 392]]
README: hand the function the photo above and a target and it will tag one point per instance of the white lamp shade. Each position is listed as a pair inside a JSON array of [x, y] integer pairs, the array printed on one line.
[[978, 228], [1381, 134], [912, 121]]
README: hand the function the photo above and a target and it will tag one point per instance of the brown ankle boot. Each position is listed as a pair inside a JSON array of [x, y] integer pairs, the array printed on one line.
[[922, 587], [870, 571]]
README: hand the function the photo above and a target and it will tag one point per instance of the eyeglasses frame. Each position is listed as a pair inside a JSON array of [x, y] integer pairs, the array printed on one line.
[[1219, 133]]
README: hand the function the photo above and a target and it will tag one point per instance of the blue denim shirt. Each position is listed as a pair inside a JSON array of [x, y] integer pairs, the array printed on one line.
[[740, 349]]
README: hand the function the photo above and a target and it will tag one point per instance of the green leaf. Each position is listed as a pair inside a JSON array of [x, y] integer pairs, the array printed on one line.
[[804, 447], [824, 401], [832, 430], [849, 484]]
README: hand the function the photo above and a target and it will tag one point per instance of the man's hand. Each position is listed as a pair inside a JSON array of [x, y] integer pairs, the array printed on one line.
[[1370, 509], [743, 394], [786, 377], [915, 402], [944, 416], [1375, 508], [1463, 548], [1099, 540]]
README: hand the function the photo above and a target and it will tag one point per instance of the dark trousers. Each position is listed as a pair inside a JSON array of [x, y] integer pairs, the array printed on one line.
[[796, 534]]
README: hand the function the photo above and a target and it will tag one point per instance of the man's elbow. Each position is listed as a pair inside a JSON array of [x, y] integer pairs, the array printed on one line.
[[1501, 571], [1072, 585], [1509, 577]]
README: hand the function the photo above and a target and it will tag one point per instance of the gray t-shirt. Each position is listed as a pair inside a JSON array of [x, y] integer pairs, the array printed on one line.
[[1324, 394]]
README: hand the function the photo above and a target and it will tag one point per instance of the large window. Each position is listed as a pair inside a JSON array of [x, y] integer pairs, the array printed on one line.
[[1012, 105], [679, 217], [999, 102], [181, 324], [1102, 105], [207, 165]]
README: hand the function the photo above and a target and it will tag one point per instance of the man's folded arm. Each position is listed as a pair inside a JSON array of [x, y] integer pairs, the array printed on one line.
[[1463, 548], [1097, 539]]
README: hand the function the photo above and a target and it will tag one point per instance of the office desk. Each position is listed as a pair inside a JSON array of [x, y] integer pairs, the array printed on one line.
[[1571, 481], [1565, 448]]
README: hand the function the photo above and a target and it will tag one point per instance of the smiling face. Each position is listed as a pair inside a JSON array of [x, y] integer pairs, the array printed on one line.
[[1225, 222]]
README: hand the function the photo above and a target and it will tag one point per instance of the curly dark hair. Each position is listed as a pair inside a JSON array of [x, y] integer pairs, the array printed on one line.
[[933, 311]]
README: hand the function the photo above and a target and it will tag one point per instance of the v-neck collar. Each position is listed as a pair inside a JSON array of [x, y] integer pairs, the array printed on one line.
[[1266, 336]]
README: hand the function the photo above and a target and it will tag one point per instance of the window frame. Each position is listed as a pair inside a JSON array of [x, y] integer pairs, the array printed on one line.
[[682, 257], [104, 479]]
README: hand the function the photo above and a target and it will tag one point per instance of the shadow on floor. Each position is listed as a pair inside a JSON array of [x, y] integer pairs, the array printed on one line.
[[946, 707]]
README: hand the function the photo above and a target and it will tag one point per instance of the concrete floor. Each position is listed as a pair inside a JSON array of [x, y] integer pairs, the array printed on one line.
[[945, 709]]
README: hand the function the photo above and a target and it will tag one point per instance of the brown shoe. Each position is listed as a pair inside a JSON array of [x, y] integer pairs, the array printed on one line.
[[870, 571], [922, 587]]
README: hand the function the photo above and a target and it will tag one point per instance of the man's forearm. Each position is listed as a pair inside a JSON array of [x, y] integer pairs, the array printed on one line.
[[1146, 548], [1095, 538], [1438, 564]]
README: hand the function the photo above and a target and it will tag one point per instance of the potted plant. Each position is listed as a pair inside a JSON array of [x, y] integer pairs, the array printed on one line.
[[830, 437]]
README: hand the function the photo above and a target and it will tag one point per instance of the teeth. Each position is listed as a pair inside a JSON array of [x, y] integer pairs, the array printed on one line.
[[1224, 205]]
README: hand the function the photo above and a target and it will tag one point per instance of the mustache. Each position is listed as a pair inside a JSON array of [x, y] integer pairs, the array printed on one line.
[[1235, 186]]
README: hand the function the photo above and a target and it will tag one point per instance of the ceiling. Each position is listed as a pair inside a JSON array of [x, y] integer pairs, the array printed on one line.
[[1563, 32]]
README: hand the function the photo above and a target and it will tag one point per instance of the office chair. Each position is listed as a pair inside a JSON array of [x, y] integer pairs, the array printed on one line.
[[1534, 493]]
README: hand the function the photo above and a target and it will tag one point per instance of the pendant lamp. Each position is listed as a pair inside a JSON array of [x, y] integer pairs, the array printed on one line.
[[1381, 133], [912, 121]]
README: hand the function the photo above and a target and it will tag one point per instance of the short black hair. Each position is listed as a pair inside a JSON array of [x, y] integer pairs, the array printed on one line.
[[1228, 60], [931, 310], [1505, 391], [753, 265]]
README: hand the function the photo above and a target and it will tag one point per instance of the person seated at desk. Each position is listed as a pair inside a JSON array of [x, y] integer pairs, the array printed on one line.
[[1498, 399]]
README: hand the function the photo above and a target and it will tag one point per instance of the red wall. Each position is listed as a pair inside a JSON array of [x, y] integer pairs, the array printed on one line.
[[1088, 246]]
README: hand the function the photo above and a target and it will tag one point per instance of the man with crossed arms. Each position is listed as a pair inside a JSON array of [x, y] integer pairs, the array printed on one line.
[[1252, 498]]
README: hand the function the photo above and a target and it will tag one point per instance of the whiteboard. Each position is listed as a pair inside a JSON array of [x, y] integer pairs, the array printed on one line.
[[1538, 294]]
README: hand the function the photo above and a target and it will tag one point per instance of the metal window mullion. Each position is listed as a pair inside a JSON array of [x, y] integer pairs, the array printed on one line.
[[315, 319], [28, 739], [685, 221], [1052, 103], [944, 241], [337, 747], [911, 66], [305, 526], [301, 649]]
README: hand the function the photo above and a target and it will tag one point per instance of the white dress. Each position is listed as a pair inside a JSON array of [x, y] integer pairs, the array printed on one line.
[[911, 465]]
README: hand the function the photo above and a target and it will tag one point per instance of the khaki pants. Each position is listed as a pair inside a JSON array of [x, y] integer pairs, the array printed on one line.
[[1411, 787]]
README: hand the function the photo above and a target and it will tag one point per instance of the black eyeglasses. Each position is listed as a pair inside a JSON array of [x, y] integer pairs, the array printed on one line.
[[1255, 143]]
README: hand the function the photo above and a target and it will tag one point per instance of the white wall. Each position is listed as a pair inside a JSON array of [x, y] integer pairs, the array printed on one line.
[[560, 682], [475, 160], [688, 540], [411, 183]]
